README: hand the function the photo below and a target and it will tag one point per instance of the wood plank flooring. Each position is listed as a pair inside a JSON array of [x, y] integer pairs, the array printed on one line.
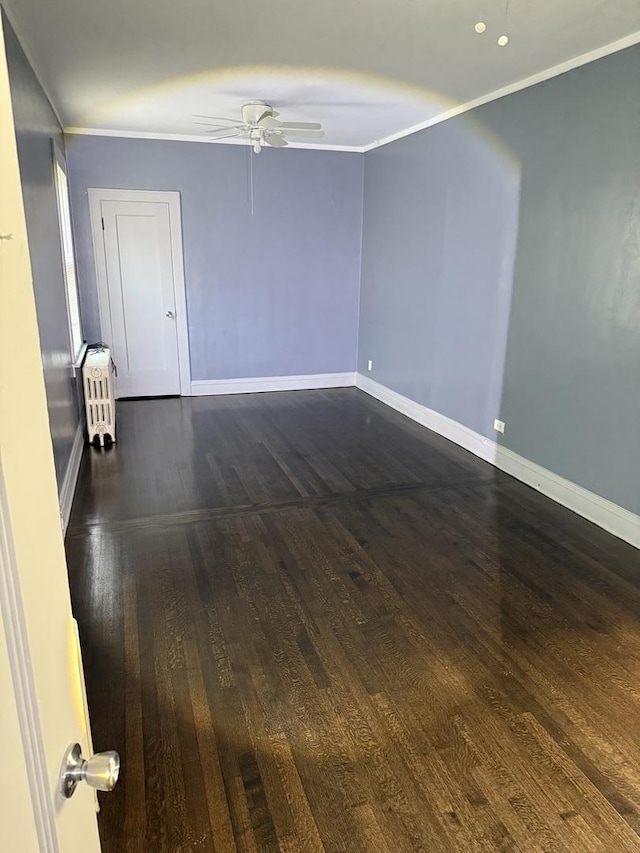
[[308, 624]]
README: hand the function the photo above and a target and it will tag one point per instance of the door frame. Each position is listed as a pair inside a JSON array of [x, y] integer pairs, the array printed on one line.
[[172, 200]]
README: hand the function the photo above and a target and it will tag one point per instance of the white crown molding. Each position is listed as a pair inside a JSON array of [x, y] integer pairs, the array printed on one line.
[[27, 52], [181, 137], [68, 487], [252, 385], [606, 514], [533, 80]]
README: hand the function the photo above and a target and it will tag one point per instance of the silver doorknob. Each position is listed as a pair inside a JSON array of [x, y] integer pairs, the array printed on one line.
[[101, 771], [169, 314]]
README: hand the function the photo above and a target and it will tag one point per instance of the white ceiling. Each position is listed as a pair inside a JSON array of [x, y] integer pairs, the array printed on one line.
[[367, 69]]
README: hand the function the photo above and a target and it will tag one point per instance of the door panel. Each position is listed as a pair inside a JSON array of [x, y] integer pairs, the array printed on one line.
[[41, 704], [137, 244]]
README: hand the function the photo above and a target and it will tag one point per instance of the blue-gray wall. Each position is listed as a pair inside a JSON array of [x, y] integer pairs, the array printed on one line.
[[440, 227], [36, 125], [271, 294], [552, 175]]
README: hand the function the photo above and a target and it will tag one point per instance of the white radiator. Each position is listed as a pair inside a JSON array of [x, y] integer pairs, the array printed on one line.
[[97, 378]]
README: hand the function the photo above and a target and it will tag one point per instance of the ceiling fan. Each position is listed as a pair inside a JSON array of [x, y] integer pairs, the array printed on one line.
[[260, 126]]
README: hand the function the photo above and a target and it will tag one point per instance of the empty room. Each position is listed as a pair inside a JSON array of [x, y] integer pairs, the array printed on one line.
[[320, 426]]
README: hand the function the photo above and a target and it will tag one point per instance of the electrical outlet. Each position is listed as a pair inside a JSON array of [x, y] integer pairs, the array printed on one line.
[[369, 365], [498, 426]]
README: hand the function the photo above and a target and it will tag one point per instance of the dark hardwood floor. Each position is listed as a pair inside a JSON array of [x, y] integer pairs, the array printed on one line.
[[309, 624]]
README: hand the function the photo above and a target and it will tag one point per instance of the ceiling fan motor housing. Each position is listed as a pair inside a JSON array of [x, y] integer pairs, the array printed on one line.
[[253, 112]]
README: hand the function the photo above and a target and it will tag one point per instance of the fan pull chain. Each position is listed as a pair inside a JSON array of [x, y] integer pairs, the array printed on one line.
[[251, 162], [250, 177]]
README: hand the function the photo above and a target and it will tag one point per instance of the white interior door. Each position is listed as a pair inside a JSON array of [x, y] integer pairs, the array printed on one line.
[[142, 301], [41, 685]]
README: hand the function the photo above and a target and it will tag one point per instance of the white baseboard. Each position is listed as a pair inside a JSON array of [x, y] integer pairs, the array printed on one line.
[[214, 387], [606, 514], [459, 434], [71, 477]]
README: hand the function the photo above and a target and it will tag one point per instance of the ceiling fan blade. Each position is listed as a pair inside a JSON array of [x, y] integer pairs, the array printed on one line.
[[269, 122], [308, 134], [300, 125], [276, 141], [225, 132], [215, 126], [217, 118], [221, 138]]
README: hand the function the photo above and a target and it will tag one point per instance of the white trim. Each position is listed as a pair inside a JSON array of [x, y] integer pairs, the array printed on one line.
[[58, 161], [68, 487], [185, 137], [534, 79], [606, 514], [454, 431], [13, 619], [26, 49], [172, 200], [80, 357], [252, 385]]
